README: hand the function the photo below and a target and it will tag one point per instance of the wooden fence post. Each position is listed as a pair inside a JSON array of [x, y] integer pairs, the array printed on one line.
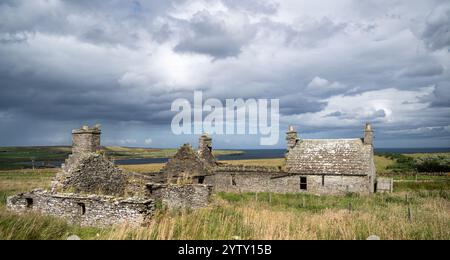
[[410, 216]]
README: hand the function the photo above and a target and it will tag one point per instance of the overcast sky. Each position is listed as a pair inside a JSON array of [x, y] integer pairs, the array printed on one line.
[[333, 64]]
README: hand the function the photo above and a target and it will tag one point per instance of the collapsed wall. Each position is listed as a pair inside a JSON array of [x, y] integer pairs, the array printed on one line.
[[186, 165], [90, 173], [85, 210], [90, 190]]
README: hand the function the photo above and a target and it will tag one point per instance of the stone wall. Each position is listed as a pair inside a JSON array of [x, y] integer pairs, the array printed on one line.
[[271, 179], [252, 182], [180, 196], [85, 210], [385, 185], [90, 173], [338, 185]]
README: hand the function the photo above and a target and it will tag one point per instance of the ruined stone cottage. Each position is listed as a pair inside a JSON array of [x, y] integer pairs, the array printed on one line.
[[322, 166], [91, 191]]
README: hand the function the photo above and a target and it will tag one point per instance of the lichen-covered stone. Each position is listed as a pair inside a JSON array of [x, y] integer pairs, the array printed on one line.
[[90, 190], [90, 173], [185, 164], [181, 196]]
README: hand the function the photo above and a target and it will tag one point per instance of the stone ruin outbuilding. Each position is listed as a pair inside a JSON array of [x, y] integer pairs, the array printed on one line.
[[90, 190], [318, 166]]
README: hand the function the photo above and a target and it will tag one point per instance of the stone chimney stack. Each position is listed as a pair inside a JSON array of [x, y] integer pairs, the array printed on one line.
[[368, 134], [205, 149], [291, 138], [86, 140]]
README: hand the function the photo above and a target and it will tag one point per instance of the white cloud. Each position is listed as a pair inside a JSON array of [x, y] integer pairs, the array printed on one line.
[[128, 141], [387, 106], [148, 141], [320, 86]]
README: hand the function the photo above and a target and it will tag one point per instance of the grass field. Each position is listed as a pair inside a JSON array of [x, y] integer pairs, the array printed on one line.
[[247, 216]]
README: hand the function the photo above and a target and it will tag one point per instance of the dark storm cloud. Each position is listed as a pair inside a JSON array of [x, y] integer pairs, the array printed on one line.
[[423, 70], [298, 103], [122, 63], [207, 34], [440, 96], [437, 28], [68, 101]]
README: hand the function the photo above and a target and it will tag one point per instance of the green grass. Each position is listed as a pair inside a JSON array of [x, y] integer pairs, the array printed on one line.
[[382, 163], [421, 185], [410, 163], [13, 182]]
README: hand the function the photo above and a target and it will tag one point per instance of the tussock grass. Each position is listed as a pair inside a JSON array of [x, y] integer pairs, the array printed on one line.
[[235, 215], [16, 181], [290, 216], [257, 217]]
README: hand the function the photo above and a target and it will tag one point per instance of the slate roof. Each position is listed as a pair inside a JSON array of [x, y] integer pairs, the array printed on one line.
[[330, 157]]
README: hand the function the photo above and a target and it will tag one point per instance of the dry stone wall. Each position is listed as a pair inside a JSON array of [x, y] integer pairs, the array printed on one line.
[[241, 178], [85, 210], [385, 185], [181, 196]]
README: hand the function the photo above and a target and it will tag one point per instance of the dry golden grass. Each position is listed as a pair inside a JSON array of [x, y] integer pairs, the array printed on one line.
[[230, 215], [141, 168], [25, 180], [277, 162], [224, 220], [381, 163]]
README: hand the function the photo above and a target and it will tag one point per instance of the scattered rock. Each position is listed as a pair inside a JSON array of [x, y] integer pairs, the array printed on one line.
[[373, 237], [73, 237]]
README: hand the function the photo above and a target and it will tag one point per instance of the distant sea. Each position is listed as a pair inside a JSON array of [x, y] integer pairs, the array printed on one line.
[[279, 153]]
